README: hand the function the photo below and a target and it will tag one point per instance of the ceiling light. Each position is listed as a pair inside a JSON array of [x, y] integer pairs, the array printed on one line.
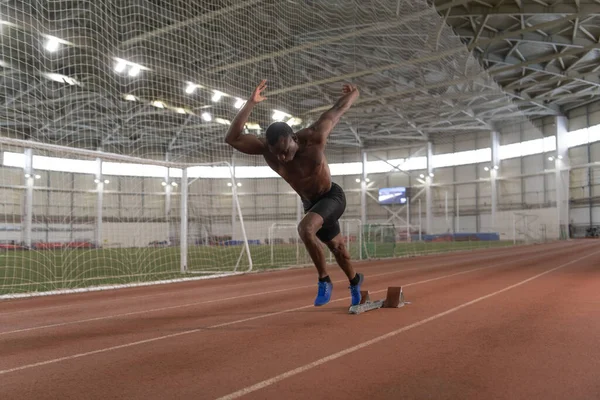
[[163, 183], [158, 104], [357, 180], [486, 168], [239, 184], [422, 176], [181, 111], [216, 96], [222, 121], [367, 180], [496, 167], [431, 174], [52, 44], [96, 180], [135, 70], [239, 103], [120, 65], [174, 184], [130, 97], [107, 181], [191, 88], [279, 115], [228, 183], [206, 116], [253, 126], [560, 157], [37, 176]]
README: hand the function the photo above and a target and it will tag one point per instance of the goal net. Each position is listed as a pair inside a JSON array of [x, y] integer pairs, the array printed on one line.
[[379, 240], [79, 219], [529, 229]]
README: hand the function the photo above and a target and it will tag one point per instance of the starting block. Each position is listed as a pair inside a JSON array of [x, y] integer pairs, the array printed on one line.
[[393, 299]]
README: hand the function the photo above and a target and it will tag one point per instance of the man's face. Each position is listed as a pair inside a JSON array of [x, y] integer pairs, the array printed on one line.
[[285, 149]]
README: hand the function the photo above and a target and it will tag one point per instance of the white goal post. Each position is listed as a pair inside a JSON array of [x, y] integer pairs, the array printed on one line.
[[75, 218]]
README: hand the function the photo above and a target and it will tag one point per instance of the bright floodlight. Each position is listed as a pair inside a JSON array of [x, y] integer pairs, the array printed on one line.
[[239, 184], [239, 103], [486, 168], [228, 183], [52, 44], [357, 180], [278, 115], [191, 88], [120, 66], [216, 96], [206, 116], [134, 70]]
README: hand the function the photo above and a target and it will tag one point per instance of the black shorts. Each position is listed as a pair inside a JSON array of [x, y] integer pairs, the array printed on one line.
[[330, 206]]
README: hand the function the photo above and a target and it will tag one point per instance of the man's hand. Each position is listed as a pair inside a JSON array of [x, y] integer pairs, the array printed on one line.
[[257, 96], [248, 144], [348, 88]]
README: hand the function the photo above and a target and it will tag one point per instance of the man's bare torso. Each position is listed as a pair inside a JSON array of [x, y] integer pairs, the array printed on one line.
[[308, 173]]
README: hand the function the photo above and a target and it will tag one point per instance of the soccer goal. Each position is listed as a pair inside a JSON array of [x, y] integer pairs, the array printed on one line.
[[379, 240], [287, 249], [528, 229], [76, 219]]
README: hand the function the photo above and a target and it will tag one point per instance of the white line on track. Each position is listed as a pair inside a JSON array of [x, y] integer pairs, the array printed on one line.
[[131, 344], [55, 325], [299, 370]]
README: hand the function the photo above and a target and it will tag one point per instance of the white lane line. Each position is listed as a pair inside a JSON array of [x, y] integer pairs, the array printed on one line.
[[75, 356], [59, 324], [299, 370]]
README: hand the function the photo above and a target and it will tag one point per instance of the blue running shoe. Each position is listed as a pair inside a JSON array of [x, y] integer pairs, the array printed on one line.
[[324, 294], [355, 290]]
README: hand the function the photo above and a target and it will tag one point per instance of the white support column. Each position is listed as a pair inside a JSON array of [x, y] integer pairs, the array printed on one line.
[[428, 195], [562, 176], [363, 190], [168, 192], [457, 229], [183, 237], [420, 222], [408, 219], [28, 200], [99, 201], [495, 140], [167, 185]]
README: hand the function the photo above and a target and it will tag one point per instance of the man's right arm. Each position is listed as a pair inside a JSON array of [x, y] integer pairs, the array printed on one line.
[[248, 144]]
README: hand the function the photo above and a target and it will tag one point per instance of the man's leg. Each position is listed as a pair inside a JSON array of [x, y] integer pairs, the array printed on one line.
[[339, 250], [307, 229]]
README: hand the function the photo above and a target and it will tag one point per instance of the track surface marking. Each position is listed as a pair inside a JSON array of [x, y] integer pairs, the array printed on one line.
[[212, 339]]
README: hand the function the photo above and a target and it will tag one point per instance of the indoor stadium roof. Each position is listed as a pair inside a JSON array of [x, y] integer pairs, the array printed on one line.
[[151, 78]]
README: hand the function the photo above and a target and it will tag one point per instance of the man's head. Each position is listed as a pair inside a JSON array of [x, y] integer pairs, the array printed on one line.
[[282, 141]]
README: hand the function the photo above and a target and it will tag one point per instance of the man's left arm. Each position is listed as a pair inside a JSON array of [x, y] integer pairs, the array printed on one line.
[[319, 131]]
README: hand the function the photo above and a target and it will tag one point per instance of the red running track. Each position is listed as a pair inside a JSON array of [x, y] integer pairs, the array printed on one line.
[[519, 323]]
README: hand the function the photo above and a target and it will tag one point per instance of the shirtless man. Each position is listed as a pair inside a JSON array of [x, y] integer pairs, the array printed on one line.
[[299, 159]]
